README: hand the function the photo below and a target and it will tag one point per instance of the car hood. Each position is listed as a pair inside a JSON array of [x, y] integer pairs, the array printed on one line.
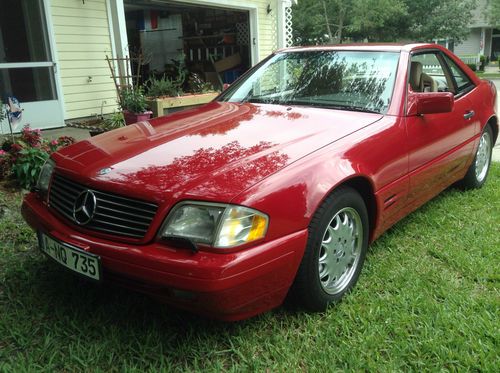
[[213, 152]]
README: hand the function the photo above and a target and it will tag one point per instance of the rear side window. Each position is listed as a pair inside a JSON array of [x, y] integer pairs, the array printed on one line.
[[463, 83]]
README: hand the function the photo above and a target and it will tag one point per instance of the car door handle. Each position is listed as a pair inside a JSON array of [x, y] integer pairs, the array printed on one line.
[[469, 114]]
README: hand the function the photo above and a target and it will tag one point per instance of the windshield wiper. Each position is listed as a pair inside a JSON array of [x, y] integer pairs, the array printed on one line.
[[262, 101], [328, 106], [352, 108], [312, 104]]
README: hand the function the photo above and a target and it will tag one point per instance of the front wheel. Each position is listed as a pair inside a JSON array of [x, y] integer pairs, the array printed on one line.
[[478, 170], [335, 251]]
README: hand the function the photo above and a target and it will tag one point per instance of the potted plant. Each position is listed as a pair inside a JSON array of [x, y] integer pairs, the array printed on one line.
[[134, 105]]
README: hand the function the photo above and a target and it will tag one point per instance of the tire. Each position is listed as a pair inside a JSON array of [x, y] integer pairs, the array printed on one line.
[[478, 171], [329, 269]]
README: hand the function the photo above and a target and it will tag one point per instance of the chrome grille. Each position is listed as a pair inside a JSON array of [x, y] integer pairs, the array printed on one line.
[[114, 214]]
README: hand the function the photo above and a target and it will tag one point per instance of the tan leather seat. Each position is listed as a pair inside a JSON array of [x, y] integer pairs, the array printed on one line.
[[428, 84], [420, 81]]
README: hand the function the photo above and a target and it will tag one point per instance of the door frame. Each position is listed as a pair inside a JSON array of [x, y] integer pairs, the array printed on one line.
[[53, 63], [119, 16], [54, 55]]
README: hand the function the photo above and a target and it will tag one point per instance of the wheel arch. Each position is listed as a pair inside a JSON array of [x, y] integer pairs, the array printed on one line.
[[364, 187], [493, 122]]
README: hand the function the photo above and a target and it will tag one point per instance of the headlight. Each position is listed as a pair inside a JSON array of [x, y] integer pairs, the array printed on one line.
[[222, 226], [44, 177]]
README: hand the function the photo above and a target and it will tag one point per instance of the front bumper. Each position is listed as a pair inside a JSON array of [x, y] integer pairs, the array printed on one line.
[[229, 286]]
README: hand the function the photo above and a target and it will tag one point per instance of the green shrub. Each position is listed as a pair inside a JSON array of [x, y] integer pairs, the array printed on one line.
[[163, 87], [482, 62], [472, 66]]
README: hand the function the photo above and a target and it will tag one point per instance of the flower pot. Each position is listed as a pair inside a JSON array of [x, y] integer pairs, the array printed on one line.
[[131, 118]]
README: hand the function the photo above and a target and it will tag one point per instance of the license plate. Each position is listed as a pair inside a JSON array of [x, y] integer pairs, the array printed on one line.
[[77, 260]]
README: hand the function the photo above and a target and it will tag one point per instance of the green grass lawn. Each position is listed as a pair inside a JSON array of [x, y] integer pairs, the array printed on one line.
[[428, 299], [489, 75]]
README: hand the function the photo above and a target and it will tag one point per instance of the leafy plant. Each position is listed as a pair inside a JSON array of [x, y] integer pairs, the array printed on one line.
[[207, 87], [472, 66], [482, 62], [114, 121], [24, 158], [28, 165], [163, 87], [133, 100]]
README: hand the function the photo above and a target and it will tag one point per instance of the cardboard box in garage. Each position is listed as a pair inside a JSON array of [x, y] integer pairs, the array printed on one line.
[[228, 62]]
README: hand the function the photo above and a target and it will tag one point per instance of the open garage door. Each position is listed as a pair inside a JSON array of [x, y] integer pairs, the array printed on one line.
[[212, 42]]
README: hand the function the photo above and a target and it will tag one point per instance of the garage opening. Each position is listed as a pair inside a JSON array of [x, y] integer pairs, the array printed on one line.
[[197, 44]]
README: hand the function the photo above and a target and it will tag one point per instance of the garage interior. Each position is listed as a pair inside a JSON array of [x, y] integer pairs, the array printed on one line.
[[212, 43]]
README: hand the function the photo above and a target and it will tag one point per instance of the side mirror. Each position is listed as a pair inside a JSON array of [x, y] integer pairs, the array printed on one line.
[[225, 86], [430, 103]]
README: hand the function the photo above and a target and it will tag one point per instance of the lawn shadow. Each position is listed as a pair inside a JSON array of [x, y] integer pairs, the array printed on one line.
[[59, 302]]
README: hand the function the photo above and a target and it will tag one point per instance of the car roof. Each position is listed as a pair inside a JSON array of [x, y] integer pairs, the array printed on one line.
[[383, 47]]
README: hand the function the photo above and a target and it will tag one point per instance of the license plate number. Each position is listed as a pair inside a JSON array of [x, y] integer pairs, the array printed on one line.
[[75, 259]]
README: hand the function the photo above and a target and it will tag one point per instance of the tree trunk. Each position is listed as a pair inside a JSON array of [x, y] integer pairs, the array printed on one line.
[[340, 28], [327, 22], [340, 22]]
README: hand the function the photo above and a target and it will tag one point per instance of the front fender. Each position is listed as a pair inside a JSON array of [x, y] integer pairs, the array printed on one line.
[[377, 153]]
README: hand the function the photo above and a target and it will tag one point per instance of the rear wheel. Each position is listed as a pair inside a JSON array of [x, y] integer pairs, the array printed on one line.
[[478, 170], [335, 251]]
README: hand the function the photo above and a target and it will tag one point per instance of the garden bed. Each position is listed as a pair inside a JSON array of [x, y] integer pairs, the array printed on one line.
[[163, 105], [94, 126]]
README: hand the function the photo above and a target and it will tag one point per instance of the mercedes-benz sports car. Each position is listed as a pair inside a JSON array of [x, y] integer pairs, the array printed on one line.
[[276, 186]]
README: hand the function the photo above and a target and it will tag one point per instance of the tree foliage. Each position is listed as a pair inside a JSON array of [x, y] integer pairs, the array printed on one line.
[[494, 12], [439, 19], [334, 21]]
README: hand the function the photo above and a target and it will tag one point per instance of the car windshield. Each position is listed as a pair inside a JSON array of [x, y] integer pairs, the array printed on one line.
[[345, 80]]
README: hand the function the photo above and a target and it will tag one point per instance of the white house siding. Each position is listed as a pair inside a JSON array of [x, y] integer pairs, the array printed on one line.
[[268, 27], [470, 46], [82, 38]]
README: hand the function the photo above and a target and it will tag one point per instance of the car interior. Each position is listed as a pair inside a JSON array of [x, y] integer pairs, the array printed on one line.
[[420, 81], [428, 75]]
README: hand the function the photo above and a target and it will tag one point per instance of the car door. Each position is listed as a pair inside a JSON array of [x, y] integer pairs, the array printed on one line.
[[439, 144]]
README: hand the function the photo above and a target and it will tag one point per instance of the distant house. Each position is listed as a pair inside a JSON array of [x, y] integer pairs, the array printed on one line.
[[52, 52], [483, 39]]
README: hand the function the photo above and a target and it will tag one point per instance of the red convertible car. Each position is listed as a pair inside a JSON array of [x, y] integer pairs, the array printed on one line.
[[277, 186]]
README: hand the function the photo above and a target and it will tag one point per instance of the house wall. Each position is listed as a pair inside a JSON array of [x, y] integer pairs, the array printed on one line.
[[82, 38], [82, 35], [268, 27], [470, 46]]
